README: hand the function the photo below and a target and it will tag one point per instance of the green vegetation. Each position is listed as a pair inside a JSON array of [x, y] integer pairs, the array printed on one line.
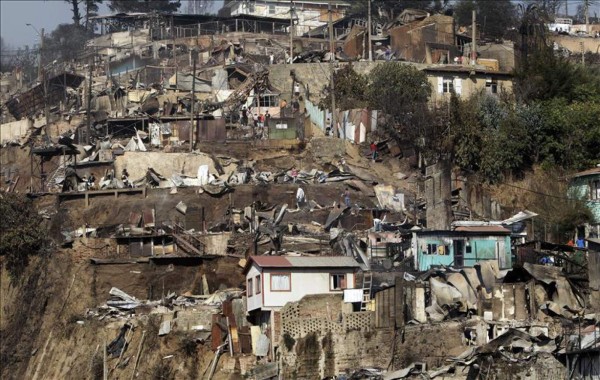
[[494, 18], [22, 234], [124, 6]]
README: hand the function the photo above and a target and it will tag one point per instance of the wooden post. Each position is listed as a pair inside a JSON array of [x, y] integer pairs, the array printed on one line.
[[192, 116], [137, 358], [104, 367]]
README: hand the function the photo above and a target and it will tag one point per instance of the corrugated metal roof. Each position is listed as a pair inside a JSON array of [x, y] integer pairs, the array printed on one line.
[[587, 172], [482, 229], [270, 261], [303, 262], [330, 261]]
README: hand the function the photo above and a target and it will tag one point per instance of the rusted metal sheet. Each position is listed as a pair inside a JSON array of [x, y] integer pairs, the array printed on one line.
[[245, 339], [135, 218], [181, 129], [33, 101], [211, 130], [594, 273], [148, 215], [216, 332]]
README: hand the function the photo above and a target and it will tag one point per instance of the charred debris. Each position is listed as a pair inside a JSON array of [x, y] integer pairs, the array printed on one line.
[[183, 143]]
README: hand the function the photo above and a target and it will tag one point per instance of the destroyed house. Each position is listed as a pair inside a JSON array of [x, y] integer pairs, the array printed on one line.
[[463, 247], [273, 281]]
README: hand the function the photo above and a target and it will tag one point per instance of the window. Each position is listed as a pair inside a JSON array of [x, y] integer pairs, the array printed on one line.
[[448, 85], [271, 9], [281, 282], [337, 282], [491, 86], [258, 284], [268, 101], [431, 249], [437, 249], [595, 190], [249, 288], [468, 248]]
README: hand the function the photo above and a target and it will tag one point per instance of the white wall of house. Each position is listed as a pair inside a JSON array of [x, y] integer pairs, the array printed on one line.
[[302, 282], [308, 15]]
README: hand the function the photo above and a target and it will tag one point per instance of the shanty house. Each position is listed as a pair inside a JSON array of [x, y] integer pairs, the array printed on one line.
[[462, 247], [427, 40], [585, 185], [273, 281]]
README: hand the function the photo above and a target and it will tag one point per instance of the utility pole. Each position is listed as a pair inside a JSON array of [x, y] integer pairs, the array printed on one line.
[[369, 30], [291, 32], [192, 116], [586, 10], [89, 103], [474, 42], [331, 71], [40, 54]]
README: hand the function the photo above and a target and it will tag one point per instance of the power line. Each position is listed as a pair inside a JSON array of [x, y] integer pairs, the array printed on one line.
[[539, 192]]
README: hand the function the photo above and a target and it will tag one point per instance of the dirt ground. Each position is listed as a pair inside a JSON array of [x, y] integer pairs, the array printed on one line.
[[43, 324]]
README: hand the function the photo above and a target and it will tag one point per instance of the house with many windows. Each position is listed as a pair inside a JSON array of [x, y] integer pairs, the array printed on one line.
[[585, 186]]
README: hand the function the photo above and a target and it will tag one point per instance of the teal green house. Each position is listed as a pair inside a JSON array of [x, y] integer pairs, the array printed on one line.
[[585, 185], [462, 247]]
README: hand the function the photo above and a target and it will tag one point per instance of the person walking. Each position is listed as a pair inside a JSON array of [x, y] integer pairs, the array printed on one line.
[[300, 197], [373, 151], [267, 118], [346, 196]]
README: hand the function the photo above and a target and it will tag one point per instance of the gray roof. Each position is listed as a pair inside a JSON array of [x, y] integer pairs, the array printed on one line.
[[304, 262]]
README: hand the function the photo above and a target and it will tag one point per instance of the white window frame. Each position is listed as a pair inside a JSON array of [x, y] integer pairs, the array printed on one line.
[[332, 282], [447, 85], [277, 279], [268, 100]]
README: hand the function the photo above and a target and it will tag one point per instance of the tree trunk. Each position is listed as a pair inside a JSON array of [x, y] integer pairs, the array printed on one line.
[[76, 14]]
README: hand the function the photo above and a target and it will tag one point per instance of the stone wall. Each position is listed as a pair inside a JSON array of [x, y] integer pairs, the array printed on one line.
[[317, 355], [321, 337], [431, 344]]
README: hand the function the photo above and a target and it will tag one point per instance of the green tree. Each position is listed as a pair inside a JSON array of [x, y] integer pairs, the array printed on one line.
[[90, 8], [65, 42], [494, 18], [463, 11], [387, 10], [124, 6], [397, 89], [21, 232], [544, 75], [350, 90]]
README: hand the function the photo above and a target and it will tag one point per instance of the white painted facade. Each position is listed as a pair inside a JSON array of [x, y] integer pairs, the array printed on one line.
[[309, 15], [303, 281]]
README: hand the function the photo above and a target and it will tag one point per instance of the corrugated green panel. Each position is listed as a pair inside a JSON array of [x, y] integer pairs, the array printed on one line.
[[282, 134]]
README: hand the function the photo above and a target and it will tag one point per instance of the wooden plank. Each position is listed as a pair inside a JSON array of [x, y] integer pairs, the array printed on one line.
[[399, 302]]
